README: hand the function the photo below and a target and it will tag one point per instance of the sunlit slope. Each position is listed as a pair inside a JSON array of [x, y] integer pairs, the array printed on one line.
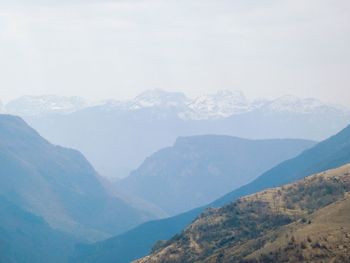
[[302, 221]]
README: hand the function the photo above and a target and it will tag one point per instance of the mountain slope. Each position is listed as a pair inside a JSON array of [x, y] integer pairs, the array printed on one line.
[[59, 185], [199, 169], [328, 154], [133, 244], [326, 237], [25, 237], [271, 226]]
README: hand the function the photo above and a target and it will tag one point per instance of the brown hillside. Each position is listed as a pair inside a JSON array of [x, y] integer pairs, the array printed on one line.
[[307, 221]]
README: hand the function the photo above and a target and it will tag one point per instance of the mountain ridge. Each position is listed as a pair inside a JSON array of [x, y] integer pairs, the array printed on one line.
[[199, 169], [222, 104]]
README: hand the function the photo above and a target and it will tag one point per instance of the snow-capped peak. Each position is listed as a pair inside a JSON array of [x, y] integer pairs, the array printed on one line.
[[224, 103], [34, 105]]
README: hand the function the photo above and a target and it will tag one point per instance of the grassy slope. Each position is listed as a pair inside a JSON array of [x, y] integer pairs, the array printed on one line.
[[326, 237], [272, 225]]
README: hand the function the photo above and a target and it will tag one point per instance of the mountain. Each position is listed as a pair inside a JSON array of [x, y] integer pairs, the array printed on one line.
[[294, 104], [301, 222], [328, 154], [153, 120], [219, 105], [223, 104], [106, 134], [159, 98], [199, 169], [25, 237], [38, 105], [59, 185]]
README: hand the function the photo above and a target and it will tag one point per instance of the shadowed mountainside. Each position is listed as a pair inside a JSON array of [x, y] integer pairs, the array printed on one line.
[[59, 185], [25, 237]]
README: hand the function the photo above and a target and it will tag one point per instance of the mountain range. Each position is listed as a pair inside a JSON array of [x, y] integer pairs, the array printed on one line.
[[138, 242], [60, 186], [37, 105], [110, 130], [51, 198], [222, 104], [199, 169]]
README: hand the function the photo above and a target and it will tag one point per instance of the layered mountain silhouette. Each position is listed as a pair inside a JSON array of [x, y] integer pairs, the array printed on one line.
[[155, 118], [199, 169], [306, 221], [59, 185], [328, 154]]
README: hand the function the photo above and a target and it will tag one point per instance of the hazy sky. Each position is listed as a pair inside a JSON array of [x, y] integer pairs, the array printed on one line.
[[101, 49]]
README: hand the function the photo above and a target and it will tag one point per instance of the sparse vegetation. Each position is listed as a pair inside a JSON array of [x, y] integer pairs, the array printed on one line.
[[276, 225]]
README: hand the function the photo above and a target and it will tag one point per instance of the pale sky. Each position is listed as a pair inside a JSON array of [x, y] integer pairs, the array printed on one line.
[[116, 49]]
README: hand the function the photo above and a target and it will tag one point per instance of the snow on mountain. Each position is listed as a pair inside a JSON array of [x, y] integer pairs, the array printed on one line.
[[222, 104], [36, 105], [219, 105], [155, 99], [259, 103], [227, 103], [159, 98], [292, 104]]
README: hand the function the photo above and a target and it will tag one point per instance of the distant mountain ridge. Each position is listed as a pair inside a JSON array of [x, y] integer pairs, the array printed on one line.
[[330, 153], [36, 105], [222, 104], [199, 169]]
